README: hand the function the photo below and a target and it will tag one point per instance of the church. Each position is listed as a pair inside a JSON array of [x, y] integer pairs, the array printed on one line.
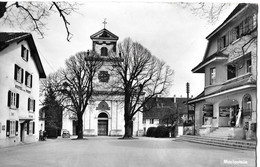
[[104, 115]]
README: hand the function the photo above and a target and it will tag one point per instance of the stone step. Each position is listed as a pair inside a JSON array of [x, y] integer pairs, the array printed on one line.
[[218, 141]]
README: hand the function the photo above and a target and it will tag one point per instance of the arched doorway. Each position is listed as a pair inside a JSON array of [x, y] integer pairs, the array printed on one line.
[[228, 111], [102, 124]]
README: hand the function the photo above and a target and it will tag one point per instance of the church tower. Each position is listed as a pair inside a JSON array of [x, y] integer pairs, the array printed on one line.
[[104, 115]]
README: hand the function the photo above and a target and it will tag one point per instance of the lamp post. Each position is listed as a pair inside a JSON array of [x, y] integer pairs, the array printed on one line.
[[188, 91]]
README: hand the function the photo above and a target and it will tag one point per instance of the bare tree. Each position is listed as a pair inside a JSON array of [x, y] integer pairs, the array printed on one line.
[[33, 16], [140, 76], [209, 11], [74, 84]]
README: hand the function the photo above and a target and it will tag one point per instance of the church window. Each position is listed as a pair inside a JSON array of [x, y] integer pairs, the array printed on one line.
[[103, 76], [104, 51]]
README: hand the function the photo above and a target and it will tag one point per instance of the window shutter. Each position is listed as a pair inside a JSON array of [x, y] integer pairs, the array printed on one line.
[[29, 100], [250, 22], [33, 105], [31, 81], [9, 99], [28, 127], [27, 55], [17, 100], [22, 51], [230, 36], [227, 40], [218, 44], [22, 76], [33, 127], [26, 75], [15, 72], [7, 128], [16, 128], [242, 29]]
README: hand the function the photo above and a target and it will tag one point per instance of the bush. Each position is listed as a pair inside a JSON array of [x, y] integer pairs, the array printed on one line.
[[150, 132], [161, 131]]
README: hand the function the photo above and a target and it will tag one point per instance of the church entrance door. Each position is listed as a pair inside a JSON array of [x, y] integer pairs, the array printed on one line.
[[102, 127], [102, 124]]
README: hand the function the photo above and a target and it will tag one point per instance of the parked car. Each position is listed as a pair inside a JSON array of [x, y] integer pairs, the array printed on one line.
[[65, 134]]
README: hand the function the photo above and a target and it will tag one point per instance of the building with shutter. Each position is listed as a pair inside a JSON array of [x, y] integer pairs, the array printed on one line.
[[104, 115], [20, 71], [228, 105]]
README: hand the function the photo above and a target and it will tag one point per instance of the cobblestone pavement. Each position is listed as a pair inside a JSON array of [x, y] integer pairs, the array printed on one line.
[[113, 152]]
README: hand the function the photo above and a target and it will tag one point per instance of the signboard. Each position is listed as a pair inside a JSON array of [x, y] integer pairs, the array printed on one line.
[[224, 112]]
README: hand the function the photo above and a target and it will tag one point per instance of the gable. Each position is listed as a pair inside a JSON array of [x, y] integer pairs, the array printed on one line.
[[104, 34], [7, 38]]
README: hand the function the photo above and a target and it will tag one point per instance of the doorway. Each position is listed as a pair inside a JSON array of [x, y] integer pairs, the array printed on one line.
[[74, 127], [228, 112], [22, 132], [102, 124]]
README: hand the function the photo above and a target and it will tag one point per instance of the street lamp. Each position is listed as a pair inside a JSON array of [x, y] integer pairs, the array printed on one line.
[[188, 91]]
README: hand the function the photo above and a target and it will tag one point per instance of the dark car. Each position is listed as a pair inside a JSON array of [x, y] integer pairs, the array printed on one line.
[[65, 134]]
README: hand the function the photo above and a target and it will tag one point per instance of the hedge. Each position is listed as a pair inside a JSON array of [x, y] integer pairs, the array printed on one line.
[[161, 131], [150, 132]]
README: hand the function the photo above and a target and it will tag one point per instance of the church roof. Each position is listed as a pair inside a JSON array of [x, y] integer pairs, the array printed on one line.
[[104, 34]]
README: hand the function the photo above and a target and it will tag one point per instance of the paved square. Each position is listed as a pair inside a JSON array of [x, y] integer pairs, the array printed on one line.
[[112, 152]]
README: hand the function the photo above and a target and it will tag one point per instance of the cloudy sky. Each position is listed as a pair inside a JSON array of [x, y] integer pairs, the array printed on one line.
[[171, 33]]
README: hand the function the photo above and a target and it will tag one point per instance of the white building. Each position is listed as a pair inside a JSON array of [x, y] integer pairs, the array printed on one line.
[[105, 112], [20, 71], [228, 103]]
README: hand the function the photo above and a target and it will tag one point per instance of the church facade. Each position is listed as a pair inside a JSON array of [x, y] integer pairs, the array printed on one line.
[[104, 115]]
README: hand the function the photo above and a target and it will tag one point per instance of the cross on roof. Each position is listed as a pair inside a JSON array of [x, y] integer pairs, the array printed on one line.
[[104, 22]]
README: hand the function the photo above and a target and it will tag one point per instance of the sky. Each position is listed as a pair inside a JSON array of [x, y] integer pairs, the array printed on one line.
[[170, 32]]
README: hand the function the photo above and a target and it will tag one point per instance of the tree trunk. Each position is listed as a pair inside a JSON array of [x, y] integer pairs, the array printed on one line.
[[80, 126], [128, 129], [128, 118]]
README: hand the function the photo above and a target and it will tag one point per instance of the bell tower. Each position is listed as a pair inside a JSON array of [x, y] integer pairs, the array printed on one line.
[[104, 41]]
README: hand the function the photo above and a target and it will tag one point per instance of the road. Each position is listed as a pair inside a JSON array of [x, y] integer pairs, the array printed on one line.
[[114, 152]]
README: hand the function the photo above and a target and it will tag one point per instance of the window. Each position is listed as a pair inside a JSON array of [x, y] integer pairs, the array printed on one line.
[[18, 73], [248, 66], [104, 51], [221, 42], [30, 128], [231, 71], [11, 128], [151, 121], [13, 100], [236, 32], [24, 53], [103, 76], [212, 76], [28, 79], [31, 104]]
